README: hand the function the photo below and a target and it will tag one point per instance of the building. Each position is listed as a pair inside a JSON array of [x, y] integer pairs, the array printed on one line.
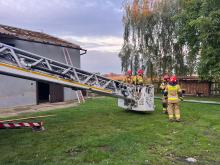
[[20, 92], [194, 86], [114, 76]]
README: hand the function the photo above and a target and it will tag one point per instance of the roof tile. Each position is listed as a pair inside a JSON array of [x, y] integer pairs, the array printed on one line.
[[34, 36]]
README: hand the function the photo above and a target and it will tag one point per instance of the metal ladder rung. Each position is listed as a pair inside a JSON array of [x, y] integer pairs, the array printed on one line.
[[68, 61], [80, 96]]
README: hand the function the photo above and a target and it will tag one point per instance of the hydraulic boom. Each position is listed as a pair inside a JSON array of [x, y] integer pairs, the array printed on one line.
[[20, 63]]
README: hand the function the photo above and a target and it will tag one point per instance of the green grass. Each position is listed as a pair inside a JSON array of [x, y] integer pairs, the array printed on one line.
[[202, 98], [98, 132]]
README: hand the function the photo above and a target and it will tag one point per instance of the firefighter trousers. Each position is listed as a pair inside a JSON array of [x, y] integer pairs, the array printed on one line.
[[164, 104], [173, 110]]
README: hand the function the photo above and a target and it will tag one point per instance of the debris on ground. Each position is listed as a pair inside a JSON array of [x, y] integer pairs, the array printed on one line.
[[191, 160]]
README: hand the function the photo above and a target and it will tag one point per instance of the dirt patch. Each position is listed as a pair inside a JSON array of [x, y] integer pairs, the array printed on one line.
[[75, 151], [152, 148], [105, 148], [206, 132], [22, 109]]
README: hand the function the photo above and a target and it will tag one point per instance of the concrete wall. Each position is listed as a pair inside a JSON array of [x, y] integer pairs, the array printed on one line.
[[49, 51], [69, 94], [16, 92], [24, 92]]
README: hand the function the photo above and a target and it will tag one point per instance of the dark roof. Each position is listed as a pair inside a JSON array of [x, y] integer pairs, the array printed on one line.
[[191, 78], [196, 78], [28, 35]]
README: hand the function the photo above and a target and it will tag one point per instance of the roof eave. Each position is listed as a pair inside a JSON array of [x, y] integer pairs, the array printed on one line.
[[48, 43]]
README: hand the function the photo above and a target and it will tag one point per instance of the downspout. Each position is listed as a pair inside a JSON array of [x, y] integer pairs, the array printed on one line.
[[84, 52]]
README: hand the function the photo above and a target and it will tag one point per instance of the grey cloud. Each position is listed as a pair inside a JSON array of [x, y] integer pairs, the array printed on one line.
[[64, 17], [70, 17], [95, 61]]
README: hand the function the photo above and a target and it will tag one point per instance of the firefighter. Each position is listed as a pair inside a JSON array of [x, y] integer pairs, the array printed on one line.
[[163, 85], [174, 94], [128, 79], [138, 79]]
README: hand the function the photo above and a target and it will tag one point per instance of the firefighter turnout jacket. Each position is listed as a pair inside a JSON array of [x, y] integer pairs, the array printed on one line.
[[128, 79], [164, 98], [173, 92], [163, 86], [138, 80]]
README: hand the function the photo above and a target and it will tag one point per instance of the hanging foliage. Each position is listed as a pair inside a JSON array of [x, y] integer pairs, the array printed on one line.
[[150, 32]]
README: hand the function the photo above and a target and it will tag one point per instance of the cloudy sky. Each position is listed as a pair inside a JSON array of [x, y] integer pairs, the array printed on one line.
[[94, 24]]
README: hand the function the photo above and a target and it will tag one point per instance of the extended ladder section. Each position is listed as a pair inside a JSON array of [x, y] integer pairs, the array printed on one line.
[[24, 64], [68, 61]]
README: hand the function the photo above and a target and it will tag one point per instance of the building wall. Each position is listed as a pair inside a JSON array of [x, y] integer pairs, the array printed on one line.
[[24, 92], [195, 87], [16, 92], [49, 51], [69, 94]]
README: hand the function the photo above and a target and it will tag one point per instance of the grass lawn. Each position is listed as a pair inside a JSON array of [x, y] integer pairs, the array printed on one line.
[[202, 98], [98, 132]]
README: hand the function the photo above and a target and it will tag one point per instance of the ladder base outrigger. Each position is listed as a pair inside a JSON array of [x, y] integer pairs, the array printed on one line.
[[23, 64]]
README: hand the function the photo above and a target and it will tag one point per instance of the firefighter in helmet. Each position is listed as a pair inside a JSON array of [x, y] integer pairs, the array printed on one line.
[[163, 85], [138, 79], [174, 94], [128, 79]]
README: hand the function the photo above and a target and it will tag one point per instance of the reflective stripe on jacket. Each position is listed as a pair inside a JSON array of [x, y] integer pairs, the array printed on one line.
[[138, 80], [173, 91]]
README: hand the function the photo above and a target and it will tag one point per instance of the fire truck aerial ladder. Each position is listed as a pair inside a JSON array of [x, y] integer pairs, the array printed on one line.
[[23, 64]]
